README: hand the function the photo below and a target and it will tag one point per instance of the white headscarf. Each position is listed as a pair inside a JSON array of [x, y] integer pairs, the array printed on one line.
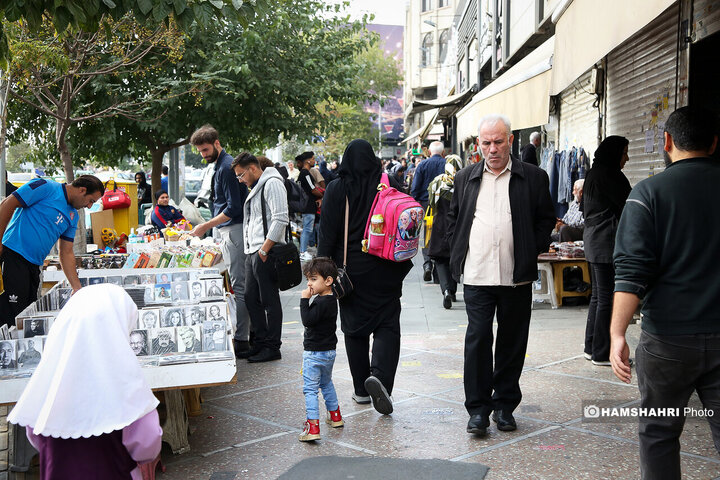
[[89, 381]]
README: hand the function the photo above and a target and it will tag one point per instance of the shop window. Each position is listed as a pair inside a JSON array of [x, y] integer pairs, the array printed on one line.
[[426, 50], [443, 47], [427, 5], [443, 3]]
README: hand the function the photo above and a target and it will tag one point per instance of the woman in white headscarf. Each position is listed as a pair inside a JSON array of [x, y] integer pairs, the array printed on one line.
[[87, 408]]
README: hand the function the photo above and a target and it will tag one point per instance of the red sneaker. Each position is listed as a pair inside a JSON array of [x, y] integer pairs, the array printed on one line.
[[311, 431], [334, 419]]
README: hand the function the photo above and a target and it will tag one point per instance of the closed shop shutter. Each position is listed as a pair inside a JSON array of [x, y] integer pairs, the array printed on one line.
[[706, 19], [641, 93], [578, 117]]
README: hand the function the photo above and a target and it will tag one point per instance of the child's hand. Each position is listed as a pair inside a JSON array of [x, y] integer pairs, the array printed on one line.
[[307, 293]]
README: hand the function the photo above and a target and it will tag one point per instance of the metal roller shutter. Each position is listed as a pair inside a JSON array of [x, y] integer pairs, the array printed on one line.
[[578, 117], [641, 93], [706, 19]]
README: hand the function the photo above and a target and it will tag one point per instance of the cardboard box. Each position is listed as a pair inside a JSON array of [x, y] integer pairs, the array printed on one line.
[[98, 221]]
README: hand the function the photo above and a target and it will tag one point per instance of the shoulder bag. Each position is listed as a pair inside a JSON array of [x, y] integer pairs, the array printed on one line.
[[285, 257], [342, 286]]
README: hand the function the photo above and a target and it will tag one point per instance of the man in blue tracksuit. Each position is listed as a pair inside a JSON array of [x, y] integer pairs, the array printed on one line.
[[425, 173]]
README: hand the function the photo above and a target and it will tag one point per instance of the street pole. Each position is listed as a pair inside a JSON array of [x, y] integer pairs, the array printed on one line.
[[380, 127]]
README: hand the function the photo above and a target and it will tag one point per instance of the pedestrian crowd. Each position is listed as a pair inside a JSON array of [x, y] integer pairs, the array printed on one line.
[[485, 224]]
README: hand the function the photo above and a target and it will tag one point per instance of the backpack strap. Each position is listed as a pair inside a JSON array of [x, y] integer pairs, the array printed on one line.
[[347, 215], [384, 180]]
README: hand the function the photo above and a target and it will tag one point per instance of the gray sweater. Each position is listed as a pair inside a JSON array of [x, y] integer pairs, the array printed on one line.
[[276, 210]]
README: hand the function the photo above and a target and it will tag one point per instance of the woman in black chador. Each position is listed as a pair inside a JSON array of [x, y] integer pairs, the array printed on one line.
[[373, 308], [605, 190]]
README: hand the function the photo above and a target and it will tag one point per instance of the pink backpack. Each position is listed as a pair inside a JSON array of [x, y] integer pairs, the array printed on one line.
[[394, 224]]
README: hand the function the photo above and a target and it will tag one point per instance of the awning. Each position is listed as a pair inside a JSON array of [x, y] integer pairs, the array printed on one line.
[[522, 94], [447, 105], [423, 132], [590, 29]]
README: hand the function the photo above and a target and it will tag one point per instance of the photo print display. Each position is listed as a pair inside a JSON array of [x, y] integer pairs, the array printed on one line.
[[139, 342], [34, 327], [131, 280], [197, 290], [115, 280], [214, 336], [8, 354], [163, 292], [172, 317], [64, 295], [162, 278], [29, 352], [96, 280], [147, 279], [188, 339], [163, 341], [195, 315], [180, 291], [217, 311], [148, 318], [214, 287], [180, 277], [149, 295]]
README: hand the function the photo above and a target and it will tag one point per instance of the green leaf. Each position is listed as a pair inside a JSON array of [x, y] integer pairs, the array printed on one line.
[[61, 19], [109, 3], [161, 11], [180, 6], [237, 4], [219, 4], [203, 14], [145, 6]]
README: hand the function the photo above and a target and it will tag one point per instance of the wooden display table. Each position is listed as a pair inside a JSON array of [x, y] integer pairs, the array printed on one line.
[[553, 266]]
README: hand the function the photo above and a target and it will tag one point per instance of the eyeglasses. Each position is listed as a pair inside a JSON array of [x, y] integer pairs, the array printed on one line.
[[240, 177]]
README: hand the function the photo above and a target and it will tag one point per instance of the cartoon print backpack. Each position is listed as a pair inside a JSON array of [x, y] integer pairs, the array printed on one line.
[[394, 224]]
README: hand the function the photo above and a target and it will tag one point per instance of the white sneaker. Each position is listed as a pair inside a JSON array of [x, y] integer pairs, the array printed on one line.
[[305, 257], [602, 363], [360, 400]]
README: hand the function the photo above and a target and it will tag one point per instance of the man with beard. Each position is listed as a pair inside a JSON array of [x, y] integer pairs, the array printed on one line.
[[197, 290], [30, 357], [7, 355], [163, 343], [32, 219], [228, 197], [138, 342], [667, 250]]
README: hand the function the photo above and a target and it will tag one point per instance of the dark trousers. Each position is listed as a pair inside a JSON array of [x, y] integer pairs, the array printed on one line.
[[21, 280], [262, 299], [597, 329], [385, 354], [570, 234], [669, 370], [447, 283], [498, 388]]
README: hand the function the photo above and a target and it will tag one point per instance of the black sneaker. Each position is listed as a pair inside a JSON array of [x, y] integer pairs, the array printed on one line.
[[242, 349], [265, 355], [380, 399], [447, 301], [427, 274]]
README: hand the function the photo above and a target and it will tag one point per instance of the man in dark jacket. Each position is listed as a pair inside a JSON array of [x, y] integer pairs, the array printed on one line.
[[528, 153], [425, 173], [500, 219], [667, 252]]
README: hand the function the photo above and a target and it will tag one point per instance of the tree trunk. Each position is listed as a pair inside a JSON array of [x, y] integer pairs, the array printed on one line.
[[157, 158], [61, 129]]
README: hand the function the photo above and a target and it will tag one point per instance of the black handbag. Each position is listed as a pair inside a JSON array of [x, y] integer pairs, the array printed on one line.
[[342, 286], [285, 257]]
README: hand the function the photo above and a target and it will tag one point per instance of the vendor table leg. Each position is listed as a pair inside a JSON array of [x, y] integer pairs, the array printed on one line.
[[21, 452], [175, 428]]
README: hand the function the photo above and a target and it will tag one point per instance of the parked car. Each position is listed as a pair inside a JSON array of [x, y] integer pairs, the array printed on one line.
[[202, 198]]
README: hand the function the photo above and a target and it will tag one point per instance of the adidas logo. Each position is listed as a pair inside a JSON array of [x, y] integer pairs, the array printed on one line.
[[12, 299]]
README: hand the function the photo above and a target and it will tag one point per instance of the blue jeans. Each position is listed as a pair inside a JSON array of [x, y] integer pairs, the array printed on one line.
[[308, 220], [317, 375]]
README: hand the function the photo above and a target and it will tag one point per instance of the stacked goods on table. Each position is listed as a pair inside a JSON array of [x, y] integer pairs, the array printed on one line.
[[200, 256], [568, 249], [182, 318]]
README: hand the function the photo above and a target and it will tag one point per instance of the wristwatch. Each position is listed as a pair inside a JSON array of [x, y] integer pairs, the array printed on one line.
[[263, 252]]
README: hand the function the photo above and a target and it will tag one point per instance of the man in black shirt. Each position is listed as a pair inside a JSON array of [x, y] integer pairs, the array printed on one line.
[[305, 161], [528, 153]]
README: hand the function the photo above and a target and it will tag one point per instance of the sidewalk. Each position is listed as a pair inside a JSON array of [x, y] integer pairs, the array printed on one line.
[[250, 430]]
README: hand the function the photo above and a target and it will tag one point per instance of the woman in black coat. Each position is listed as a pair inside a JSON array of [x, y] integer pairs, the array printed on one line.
[[440, 192], [604, 194], [373, 307]]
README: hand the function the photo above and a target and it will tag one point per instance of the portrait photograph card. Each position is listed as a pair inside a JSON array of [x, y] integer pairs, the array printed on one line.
[[163, 341]]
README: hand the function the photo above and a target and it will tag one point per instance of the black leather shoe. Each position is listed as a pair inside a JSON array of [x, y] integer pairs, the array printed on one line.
[[453, 298], [505, 421], [242, 349], [447, 301], [478, 425], [427, 274], [265, 355]]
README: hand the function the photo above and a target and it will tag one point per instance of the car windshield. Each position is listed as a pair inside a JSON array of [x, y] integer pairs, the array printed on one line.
[[192, 185]]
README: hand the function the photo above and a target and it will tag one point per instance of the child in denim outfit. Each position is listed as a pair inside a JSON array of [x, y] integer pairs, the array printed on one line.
[[319, 319]]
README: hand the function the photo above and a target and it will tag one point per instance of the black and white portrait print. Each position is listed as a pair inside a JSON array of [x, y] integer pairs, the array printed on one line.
[[34, 327], [29, 352], [131, 280], [217, 311], [163, 341], [139, 342], [115, 280], [96, 280], [180, 276], [214, 336], [148, 318], [195, 315], [8, 354], [147, 279], [189, 339], [180, 291], [214, 287], [172, 317], [64, 295], [197, 290]]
